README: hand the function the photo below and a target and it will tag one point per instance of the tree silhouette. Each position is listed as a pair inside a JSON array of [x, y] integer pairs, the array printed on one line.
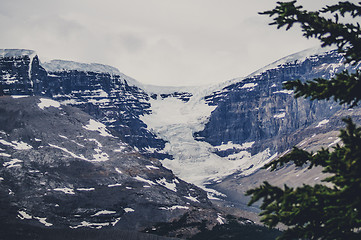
[[331, 211]]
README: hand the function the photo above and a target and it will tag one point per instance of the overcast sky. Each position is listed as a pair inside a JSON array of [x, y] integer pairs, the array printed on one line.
[[161, 42]]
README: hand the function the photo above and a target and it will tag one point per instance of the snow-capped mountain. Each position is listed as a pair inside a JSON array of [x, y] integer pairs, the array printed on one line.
[[205, 135]]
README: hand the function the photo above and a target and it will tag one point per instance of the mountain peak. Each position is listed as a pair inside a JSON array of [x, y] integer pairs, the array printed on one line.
[[17, 53], [61, 65]]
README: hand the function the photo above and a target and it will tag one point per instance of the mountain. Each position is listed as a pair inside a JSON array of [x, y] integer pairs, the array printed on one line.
[[216, 137], [61, 168]]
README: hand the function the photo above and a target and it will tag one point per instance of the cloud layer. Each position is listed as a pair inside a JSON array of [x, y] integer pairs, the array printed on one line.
[[161, 42]]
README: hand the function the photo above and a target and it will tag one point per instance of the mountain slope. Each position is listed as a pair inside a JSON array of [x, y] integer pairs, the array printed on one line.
[[62, 169]]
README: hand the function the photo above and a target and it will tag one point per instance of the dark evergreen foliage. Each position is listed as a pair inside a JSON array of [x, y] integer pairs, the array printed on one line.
[[235, 230], [333, 210]]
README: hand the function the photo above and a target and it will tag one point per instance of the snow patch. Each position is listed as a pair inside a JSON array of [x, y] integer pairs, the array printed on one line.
[[43, 221], [99, 127], [19, 96], [115, 185], [323, 122], [171, 186], [45, 103], [335, 142], [65, 190], [285, 91], [70, 153], [23, 215], [13, 163], [16, 145], [11, 53], [249, 86], [65, 137], [5, 155], [231, 145], [150, 167], [128, 210], [281, 115], [85, 189], [90, 225], [221, 220], [62, 65], [103, 212], [140, 179], [118, 171], [175, 207], [191, 198], [120, 149]]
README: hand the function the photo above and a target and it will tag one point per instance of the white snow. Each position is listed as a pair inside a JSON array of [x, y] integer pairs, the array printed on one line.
[[10, 53], [281, 115], [335, 142], [16, 145], [62, 136], [85, 189], [231, 145], [299, 57], [284, 91], [65, 190], [140, 179], [174, 207], [189, 197], [249, 85], [45, 103], [13, 163], [323, 122], [118, 171], [195, 161], [115, 185], [120, 149], [23, 215], [43, 221], [5, 155], [171, 186], [99, 127], [61, 65], [212, 194], [99, 156], [221, 219], [103, 212], [150, 167], [19, 96], [127, 210], [70, 153], [1, 179], [91, 225]]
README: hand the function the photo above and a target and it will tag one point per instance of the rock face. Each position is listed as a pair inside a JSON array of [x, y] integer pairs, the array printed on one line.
[[257, 109], [60, 168], [100, 90]]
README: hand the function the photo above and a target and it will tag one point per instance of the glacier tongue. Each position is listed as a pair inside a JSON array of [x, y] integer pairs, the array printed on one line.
[[194, 161]]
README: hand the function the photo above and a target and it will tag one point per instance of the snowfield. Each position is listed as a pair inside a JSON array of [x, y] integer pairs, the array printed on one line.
[[195, 161]]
